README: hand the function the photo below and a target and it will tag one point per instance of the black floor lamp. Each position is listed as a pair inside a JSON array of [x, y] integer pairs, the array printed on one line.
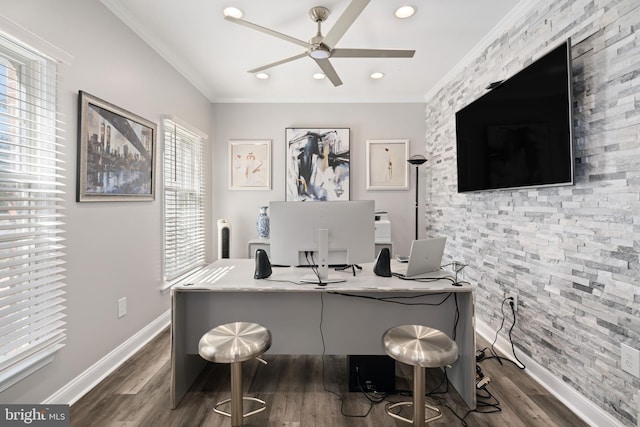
[[417, 160]]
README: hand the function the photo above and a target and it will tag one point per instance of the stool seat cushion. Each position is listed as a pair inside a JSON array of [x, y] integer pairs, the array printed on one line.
[[418, 345], [234, 342]]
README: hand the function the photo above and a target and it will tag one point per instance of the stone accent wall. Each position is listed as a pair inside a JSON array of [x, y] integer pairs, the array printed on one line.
[[571, 253]]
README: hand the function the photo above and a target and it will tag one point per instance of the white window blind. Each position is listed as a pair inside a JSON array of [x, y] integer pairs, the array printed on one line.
[[184, 194], [31, 272]]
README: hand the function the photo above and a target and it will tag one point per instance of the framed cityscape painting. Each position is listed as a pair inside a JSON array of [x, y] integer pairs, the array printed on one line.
[[318, 164], [116, 153]]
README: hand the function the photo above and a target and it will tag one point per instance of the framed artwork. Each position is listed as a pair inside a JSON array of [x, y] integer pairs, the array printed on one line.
[[387, 167], [250, 165], [116, 153], [317, 163]]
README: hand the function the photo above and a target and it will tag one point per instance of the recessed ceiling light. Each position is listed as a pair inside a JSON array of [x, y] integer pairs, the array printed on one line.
[[319, 76], [233, 12], [262, 76], [376, 75], [404, 12]]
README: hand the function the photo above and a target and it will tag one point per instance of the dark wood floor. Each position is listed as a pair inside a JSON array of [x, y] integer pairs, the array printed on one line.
[[137, 394]]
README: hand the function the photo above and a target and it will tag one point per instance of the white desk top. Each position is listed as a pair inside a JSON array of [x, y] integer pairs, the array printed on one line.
[[236, 275]]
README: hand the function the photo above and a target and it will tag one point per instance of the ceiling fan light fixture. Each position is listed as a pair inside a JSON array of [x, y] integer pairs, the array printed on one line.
[[233, 12], [405, 12], [262, 76], [319, 53], [319, 76], [377, 75]]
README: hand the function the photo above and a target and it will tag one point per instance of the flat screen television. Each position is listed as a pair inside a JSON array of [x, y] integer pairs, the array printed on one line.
[[520, 133]]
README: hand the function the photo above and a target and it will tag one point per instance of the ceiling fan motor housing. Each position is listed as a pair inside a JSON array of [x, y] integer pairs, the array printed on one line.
[[319, 14]]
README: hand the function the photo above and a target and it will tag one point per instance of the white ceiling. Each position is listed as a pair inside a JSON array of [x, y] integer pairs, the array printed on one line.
[[214, 54]]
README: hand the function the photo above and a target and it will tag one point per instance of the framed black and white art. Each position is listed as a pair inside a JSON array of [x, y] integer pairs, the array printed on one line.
[[318, 164]]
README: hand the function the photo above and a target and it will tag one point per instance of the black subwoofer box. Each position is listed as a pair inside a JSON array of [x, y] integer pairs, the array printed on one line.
[[371, 373]]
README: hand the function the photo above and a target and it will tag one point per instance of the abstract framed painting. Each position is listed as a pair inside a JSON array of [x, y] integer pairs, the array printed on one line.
[[116, 153], [387, 164], [317, 164], [250, 164]]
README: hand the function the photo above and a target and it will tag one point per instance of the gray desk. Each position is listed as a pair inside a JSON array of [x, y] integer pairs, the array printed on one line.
[[225, 292]]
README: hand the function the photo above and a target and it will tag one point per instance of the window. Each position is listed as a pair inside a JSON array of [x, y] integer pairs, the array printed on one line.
[[184, 238], [31, 272]]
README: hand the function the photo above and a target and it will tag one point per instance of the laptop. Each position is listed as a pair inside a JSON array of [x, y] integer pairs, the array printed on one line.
[[425, 259]]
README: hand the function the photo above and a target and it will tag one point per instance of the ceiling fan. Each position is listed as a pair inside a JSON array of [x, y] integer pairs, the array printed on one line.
[[320, 48]]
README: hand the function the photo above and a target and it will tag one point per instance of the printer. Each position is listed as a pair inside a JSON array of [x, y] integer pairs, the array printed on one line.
[[382, 227]]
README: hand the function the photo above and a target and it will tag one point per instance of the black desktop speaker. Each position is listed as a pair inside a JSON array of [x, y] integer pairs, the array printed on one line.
[[383, 263], [263, 266]]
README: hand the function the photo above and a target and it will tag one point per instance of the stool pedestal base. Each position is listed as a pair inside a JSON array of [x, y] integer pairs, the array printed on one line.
[[237, 413], [237, 421], [418, 402]]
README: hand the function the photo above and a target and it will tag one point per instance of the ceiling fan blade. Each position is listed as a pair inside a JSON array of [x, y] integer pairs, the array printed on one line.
[[282, 61], [268, 31], [343, 23], [329, 71], [372, 53]]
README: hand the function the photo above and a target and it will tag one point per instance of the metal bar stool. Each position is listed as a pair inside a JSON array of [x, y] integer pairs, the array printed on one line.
[[420, 347], [234, 343]]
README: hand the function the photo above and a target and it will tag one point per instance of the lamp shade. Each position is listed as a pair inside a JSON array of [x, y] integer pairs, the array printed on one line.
[[417, 159]]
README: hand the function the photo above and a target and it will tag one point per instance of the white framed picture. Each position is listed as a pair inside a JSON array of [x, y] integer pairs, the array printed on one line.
[[250, 164], [387, 167]]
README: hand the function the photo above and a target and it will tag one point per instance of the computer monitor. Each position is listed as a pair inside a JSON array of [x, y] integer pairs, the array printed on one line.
[[299, 227]]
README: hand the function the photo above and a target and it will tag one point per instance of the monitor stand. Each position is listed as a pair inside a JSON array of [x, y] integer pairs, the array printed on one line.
[[330, 278], [323, 277]]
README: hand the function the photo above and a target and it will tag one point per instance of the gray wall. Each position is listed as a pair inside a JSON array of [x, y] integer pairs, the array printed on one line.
[[571, 253], [268, 121], [113, 249]]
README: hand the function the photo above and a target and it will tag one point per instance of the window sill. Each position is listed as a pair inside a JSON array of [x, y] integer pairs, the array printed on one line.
[[20, 371]]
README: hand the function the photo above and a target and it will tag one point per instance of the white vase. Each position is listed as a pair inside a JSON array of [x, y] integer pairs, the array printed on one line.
[[263, 223]]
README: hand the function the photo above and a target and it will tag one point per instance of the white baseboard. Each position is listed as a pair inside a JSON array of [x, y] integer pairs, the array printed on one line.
[[570, 397], [84, 382]]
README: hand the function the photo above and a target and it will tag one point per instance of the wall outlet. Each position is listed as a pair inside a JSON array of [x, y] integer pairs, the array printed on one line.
[[515, 299], [122, 307], [630, 360]]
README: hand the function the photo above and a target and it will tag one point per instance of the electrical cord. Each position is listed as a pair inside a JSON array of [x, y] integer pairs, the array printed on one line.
[[372, 402], [393, 300], [445, 381], [456, 318], [513, 325], [353, 268], [280, 281], [486, 403], [457, 267], [427, 279], [312, 265], [493, 351], [400, 297]]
